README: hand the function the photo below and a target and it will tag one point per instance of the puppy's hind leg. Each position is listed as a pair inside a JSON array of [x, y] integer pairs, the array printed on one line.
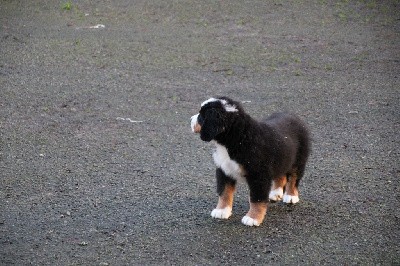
[[291, 190], [292, 187], [226, 190], [276, 193]]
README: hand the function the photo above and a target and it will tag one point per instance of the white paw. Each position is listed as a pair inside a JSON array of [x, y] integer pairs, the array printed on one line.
[[222, 213], [246, 220], [276, 194], [290, 199]]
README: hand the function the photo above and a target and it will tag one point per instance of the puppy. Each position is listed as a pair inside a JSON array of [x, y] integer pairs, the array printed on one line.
[[270, 155]]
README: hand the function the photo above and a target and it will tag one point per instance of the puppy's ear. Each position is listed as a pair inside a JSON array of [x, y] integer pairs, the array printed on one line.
[[213, 125]]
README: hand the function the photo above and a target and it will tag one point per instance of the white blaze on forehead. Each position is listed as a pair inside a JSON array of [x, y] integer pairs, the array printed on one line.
[[209, 101], [228, 107]]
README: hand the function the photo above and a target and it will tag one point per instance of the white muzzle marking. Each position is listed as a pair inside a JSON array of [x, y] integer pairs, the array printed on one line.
[[193, 123]]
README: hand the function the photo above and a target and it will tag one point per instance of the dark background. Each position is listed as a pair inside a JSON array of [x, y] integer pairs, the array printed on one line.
[[83, 185]]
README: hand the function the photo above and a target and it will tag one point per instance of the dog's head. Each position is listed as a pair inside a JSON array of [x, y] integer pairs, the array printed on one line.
[[215, 117]]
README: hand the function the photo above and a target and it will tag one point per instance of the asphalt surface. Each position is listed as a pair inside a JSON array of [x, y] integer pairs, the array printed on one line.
[[98, 165]]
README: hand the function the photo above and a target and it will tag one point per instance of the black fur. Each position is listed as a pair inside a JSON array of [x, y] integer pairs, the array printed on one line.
[[222, 180], [276, 146]]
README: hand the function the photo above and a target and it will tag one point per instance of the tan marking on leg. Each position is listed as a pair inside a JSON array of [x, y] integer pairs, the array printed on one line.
[[257, 211], [279, 182], [291, 188], [226, 198], [276, 191]]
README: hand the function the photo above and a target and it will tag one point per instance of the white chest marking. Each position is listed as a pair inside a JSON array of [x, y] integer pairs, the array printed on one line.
[[230, 167]]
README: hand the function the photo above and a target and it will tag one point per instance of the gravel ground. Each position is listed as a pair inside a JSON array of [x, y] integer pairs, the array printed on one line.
[[98, 164]]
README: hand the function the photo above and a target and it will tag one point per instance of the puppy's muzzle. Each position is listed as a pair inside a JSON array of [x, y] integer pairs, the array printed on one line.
[[196, 128]]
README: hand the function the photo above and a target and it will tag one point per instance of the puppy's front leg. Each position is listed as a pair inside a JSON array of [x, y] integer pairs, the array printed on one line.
[[258, 204], [226, 190], [255, 216]]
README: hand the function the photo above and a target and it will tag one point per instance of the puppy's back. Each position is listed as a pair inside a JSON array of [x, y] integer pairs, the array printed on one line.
[[290, 125], [286, 123]]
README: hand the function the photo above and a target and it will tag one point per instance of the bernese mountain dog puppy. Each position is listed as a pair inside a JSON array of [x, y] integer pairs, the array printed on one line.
[[270, 155]]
